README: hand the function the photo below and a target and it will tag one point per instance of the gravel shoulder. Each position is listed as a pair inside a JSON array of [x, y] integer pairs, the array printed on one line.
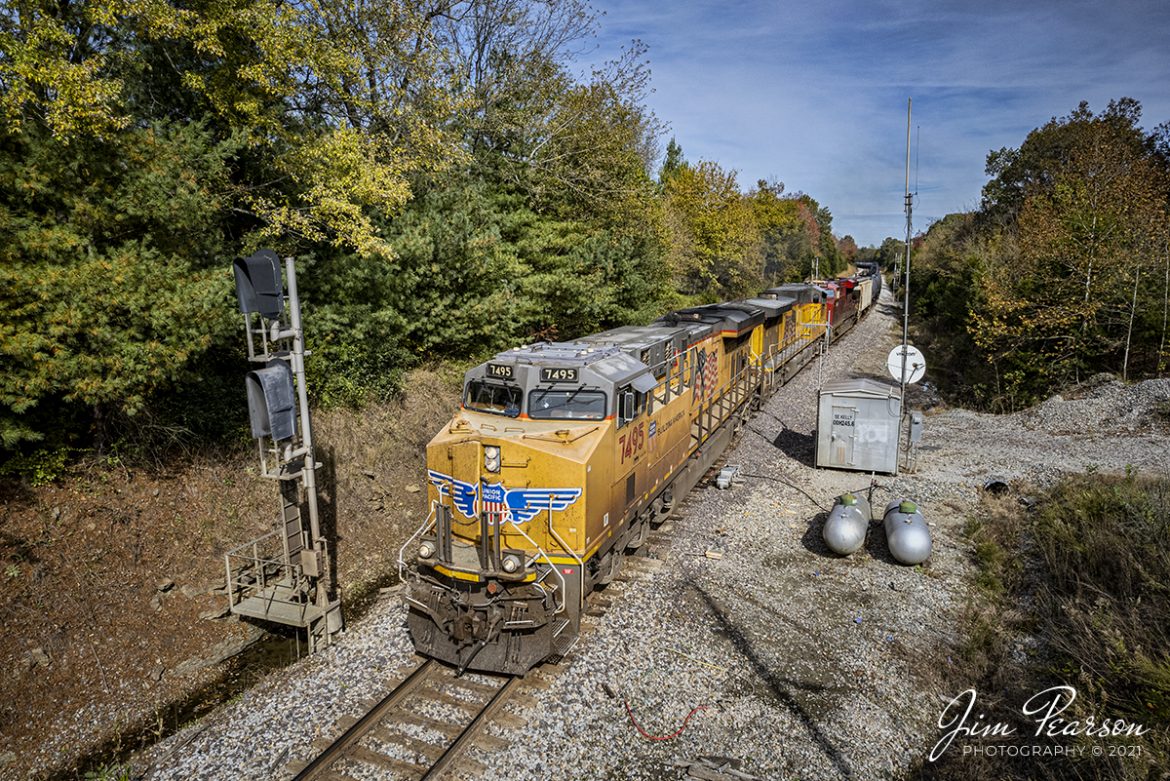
[[806, 665]]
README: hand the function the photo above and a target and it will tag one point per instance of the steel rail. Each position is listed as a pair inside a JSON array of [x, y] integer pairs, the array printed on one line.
[[358, 729], [380, 712], [470, 731]]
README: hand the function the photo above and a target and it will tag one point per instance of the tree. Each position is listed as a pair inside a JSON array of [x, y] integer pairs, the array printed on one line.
[[891, 251], [591, 163], [672, 162], [714, 238], [1088, 222], [1057, 261], [786, 244], [142, 145], [281, 77], [451, 179], [848, 249], [106, 293], [1016, 173]]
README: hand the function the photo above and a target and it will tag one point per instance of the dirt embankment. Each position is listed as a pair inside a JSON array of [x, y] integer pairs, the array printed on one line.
[[110, 576]]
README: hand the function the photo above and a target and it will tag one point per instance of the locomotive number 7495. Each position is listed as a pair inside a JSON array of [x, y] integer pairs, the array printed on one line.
[[632, 442]]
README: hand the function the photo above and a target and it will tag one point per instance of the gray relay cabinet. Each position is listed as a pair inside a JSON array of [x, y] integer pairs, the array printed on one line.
[[857, 425]]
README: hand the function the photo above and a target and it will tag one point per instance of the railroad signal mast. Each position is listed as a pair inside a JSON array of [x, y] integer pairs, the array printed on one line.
[[284, 576]]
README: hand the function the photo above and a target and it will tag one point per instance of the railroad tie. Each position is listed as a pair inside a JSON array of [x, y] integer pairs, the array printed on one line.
[[370, 757], [467, 705], [410, 742], [489, 742], [474, 686], [446, 728]]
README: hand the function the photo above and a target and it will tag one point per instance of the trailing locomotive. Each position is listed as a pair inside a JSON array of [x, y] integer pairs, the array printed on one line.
[[564, 455]]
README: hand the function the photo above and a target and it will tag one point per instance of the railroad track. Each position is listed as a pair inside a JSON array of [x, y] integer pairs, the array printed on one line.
[[378, 741], [394, 736]]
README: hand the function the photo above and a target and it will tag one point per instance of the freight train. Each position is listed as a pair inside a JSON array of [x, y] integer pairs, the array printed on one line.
[[564, 455]]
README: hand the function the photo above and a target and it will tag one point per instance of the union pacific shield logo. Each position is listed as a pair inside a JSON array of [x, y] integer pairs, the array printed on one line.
[[520, 505], [515, 505]]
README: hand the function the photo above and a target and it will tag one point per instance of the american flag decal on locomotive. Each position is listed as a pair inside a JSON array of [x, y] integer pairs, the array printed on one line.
[[516, 505], [708, 371]]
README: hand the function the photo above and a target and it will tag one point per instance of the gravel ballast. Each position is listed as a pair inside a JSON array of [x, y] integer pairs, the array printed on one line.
[[805, 664]]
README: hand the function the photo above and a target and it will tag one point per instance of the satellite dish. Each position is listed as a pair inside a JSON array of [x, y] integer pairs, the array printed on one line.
[[915, 364]]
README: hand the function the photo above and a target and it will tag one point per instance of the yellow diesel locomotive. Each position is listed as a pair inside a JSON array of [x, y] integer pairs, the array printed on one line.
[[563, 455]]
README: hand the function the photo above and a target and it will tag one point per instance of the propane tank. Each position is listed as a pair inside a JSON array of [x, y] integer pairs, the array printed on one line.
[[845, 528], [906, 532]]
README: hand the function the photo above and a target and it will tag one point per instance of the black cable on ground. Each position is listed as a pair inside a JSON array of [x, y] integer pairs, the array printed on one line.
[[790, 485]]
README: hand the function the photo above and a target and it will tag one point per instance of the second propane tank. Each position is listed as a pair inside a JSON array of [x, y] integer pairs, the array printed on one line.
[[845, 528], [906, 532]]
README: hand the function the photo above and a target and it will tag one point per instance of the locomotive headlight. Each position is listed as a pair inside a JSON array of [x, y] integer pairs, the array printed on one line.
[[426, 550], [510, 563], [491, 458]]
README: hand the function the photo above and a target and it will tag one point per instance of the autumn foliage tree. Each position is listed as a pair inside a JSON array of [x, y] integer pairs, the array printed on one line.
[[789, 231], [550, 227], [451, 179], [143, 144], [714, 240], [725, 243], [1067, 261]]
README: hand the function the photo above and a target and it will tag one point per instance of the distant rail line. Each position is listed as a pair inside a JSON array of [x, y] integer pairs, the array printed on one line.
[[436, 702]]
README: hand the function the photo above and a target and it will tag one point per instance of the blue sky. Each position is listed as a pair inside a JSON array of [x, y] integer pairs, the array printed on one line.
[[814, 93]]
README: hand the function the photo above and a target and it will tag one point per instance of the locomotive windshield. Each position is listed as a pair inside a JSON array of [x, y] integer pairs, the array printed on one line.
[[577, 404], [490, 397]]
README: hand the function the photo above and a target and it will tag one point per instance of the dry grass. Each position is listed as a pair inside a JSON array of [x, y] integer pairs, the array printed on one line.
[[376, 454]]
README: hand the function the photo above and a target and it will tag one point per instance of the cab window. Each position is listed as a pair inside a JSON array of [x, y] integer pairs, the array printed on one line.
[[491, 397], [579, 404]]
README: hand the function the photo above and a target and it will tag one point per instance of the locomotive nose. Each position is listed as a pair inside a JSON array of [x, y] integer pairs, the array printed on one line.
[[464, 460]]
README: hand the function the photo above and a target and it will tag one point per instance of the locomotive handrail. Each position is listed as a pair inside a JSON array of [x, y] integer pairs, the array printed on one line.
[[721, 407], [425, 525], [551, 566], [567, 549]]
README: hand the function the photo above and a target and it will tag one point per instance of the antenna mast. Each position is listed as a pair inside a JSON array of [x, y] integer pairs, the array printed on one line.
[[906, 269]]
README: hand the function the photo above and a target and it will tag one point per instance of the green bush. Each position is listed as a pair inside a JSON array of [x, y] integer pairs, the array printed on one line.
[[1083, 581], [41, 467]]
